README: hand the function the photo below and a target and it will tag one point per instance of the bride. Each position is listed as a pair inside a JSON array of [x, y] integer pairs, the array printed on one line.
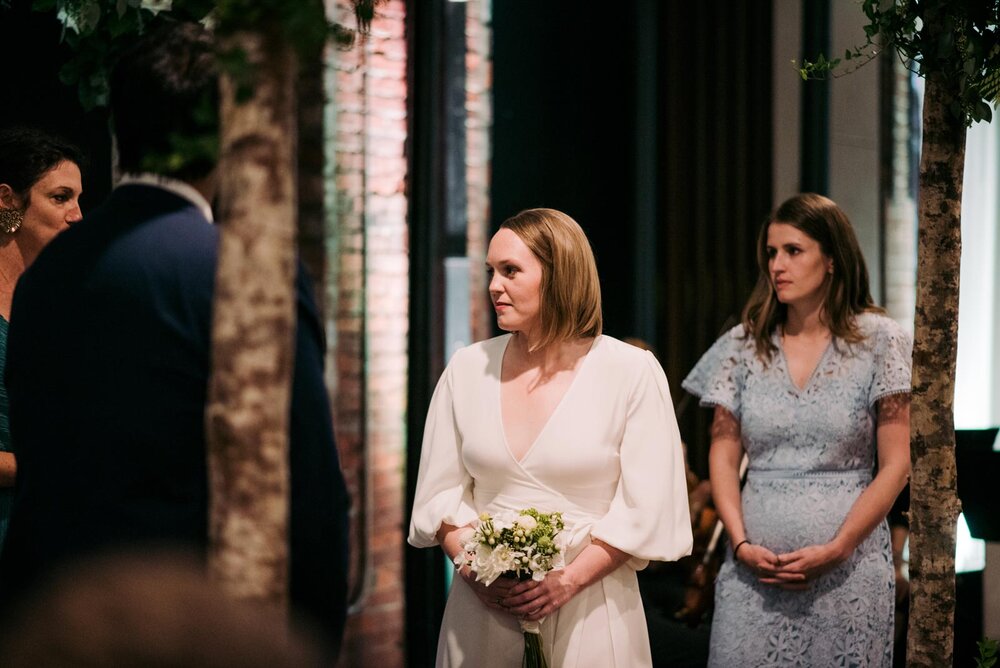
[[556, 416]]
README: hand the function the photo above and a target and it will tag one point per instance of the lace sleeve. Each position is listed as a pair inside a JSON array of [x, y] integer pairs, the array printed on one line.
[[893, 351], [717, 378]]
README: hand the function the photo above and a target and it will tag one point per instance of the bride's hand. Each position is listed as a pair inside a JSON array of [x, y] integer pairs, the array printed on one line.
[[492, 596], [533, 600]]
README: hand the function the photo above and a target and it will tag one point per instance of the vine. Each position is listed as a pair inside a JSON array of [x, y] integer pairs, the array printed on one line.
[[967, 53]]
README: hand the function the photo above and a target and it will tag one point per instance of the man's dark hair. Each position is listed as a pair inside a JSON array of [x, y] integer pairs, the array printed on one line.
[[165, 101], [26, 154]]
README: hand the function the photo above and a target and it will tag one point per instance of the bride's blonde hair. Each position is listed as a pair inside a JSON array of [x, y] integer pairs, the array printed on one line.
[[570, 300]]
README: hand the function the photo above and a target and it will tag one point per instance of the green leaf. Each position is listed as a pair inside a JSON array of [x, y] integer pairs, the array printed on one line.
[[988, 648], [946, 45], [989, 89], [984, 660], [956, 109], [984, 111], [68, 75], [90, 16]]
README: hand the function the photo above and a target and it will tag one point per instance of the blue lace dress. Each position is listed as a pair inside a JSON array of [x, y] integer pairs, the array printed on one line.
[[812, 453]]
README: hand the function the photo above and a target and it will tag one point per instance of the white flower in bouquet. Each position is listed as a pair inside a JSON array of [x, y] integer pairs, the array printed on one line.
[[502, 521], [490, 563]]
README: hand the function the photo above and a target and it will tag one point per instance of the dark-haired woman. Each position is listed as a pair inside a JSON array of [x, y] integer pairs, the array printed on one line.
[[40, 190], [814, 387]]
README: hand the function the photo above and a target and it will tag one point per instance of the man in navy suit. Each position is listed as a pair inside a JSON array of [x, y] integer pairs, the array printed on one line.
[[109, 352]]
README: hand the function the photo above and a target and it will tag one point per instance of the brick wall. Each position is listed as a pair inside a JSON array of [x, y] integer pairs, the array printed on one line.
[[363, 270], [479, 107], [366, 294]]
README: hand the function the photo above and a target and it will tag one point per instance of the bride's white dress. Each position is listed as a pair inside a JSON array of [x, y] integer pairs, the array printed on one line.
[[609, 459]]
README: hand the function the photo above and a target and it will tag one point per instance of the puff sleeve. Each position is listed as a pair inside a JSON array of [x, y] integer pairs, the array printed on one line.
[[444, 486], [892, 357], [717, 378], [648, 517]]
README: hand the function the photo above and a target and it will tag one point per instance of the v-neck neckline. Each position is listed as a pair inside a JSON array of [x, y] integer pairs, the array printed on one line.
[[788, 370], [552, 415]]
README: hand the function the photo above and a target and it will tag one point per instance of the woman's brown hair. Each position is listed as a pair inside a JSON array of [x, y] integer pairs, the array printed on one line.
[[848, 293], [570, 290]]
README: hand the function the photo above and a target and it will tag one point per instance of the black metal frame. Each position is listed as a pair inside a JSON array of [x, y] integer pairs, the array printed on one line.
[[437, 222]]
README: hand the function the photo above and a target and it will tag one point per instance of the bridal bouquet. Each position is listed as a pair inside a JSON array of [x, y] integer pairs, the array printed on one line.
[[522, 544]]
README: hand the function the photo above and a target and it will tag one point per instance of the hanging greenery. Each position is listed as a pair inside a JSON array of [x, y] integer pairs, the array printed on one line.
[[956, 39], [97, 31]]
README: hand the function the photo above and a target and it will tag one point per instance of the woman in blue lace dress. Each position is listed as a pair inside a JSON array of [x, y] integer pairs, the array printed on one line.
[[39, 197], [814, 387]]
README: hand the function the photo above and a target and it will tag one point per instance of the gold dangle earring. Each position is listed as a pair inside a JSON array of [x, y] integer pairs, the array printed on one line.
[[10, 220]]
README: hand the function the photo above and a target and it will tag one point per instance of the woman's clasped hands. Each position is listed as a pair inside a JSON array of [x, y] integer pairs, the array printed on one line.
[[493, 595], [530, 600], [792, 570], [533, 600]]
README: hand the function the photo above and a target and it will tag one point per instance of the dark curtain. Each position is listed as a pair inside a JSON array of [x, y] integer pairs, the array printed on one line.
[[715, 181], [564, 91], [568, 119]]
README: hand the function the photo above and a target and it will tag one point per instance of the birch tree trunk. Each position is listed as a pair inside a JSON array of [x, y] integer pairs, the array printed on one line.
[[254, 328], [934, 505]]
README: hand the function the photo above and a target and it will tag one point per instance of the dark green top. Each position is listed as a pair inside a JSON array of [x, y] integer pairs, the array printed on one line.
[[6, 493]]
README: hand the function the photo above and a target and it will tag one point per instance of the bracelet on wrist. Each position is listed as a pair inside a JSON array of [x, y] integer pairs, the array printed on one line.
[[736, 550]]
